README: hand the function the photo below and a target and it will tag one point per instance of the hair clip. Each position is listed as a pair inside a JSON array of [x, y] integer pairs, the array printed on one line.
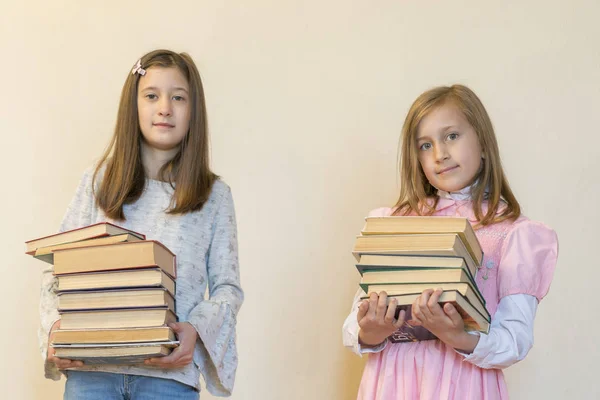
[[138, 68]]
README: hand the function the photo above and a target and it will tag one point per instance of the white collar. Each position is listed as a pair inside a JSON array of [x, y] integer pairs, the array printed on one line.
[[463, 194]]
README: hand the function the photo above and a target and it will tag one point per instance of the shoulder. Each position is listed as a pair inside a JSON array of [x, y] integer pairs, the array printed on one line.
[[531, 236], [528, 259], [381, 212], [219, 190], [526, 227], [90, 175]]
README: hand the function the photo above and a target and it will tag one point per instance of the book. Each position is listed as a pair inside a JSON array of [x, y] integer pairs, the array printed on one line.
[[120, 279], [444, 244], [427, 225], [466, 289], [115, 299], [123, 335], [126, 255], [46, 254], [473, 320], [126, 318], [427, 279], [100, 229], [133, 354], [384, 262]]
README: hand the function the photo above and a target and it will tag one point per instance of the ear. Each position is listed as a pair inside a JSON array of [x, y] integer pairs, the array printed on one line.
[[482, 155]]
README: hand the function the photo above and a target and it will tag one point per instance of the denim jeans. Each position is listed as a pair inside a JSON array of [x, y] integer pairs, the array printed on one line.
[[84, 385]]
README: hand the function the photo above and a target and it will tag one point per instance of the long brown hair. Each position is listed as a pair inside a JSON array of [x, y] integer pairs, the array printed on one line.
[[415, 190], [188, 171]]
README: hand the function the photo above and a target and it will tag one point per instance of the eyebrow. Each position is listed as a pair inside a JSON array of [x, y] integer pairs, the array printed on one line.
[[444, 129], [156, 89]]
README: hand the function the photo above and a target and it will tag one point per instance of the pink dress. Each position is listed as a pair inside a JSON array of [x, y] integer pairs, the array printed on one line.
[[519, 257]]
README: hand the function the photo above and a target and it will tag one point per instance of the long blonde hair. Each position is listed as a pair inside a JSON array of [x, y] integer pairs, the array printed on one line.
[[491, 184], [188, 172]]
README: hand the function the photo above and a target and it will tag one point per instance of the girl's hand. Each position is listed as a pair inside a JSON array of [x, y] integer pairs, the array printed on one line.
[[182, 355], [445, 323], [61, 363], [376, 319]]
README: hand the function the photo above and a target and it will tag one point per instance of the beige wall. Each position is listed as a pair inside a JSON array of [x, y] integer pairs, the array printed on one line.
[[306, 100]]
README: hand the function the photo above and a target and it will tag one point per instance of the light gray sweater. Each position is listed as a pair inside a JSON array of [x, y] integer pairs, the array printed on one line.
[[205, 243]]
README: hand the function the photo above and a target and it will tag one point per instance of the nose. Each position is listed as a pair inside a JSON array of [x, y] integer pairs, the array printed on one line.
[[165, 108], [441, 152]]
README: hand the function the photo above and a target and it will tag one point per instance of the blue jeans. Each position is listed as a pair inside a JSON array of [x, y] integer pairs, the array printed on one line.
[[84, 385]]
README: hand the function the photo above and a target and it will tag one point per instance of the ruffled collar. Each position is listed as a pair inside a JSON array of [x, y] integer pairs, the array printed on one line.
[[461, 195], [461, 200]]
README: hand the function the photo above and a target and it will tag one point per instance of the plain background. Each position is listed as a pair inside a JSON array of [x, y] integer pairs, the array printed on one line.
[[306, 100]]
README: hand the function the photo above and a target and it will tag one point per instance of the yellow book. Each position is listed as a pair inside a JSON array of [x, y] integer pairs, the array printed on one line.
[[126, 255], [133, 354], [123, 335], [447, 244], [46, 254], [369, 262], [109, 319], [101, 229], [120, 279], [426, 224], [474, 321], [114, 299]]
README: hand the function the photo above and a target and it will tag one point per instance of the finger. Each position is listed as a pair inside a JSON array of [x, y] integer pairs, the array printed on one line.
[[400, 321], [381, 306], [390, 314], [362, 310], [373, 299], [453, 314], [433, 302], [423, 304], [172, 358], [62, 363], [416, 314]]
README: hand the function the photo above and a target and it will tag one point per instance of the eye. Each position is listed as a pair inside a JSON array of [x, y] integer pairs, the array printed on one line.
[[178, 98], [425, 146], [452, 136], [151, 96]]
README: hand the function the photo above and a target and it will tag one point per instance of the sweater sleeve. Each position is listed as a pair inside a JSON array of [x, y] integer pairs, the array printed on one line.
[[215, 319], [78, 214]]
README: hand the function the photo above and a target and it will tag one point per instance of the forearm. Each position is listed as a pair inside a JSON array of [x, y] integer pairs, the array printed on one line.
[[463, 342], [510, 337]]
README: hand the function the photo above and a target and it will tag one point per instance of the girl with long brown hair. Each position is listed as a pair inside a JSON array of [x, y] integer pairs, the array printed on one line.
[[450, 166], [155, 178]]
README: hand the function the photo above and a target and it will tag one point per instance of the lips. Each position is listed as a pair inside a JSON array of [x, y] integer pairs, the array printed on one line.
[[164, 125], [443, 171]]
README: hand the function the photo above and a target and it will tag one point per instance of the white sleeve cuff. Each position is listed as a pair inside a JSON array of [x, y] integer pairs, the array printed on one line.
[[511, 333], [376, 349]]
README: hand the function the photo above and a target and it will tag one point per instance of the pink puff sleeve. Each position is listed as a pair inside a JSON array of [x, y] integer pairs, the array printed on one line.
[[529, 255], [381, 212]]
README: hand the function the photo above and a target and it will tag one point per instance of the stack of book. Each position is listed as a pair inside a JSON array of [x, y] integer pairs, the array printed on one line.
[[404, 256], [116, 294]]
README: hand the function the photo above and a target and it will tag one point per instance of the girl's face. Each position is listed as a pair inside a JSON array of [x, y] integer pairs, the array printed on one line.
[[448, 149], [163, 108]]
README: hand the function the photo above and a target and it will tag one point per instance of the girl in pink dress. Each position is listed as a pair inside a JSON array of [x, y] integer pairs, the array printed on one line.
[[450, 166]]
